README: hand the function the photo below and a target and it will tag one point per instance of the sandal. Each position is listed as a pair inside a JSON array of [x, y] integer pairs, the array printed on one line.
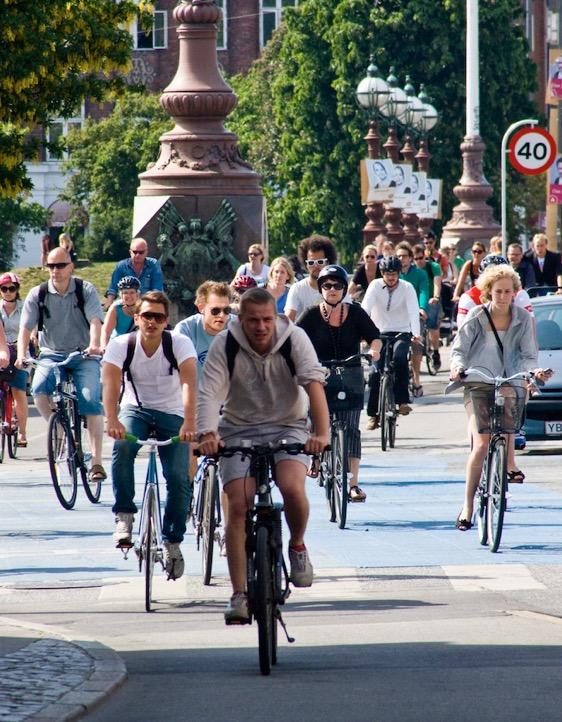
[[97, 473], [21, 443], [516, 476], [356, 494], [463, 524], [417, 391]]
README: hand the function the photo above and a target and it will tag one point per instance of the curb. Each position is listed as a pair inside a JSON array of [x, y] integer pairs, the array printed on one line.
[[106, 672]]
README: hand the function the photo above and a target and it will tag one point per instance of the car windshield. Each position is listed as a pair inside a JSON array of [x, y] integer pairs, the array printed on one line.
[[549, 326]]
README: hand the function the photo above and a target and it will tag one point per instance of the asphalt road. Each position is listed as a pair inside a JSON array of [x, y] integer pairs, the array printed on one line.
[[408, 618]]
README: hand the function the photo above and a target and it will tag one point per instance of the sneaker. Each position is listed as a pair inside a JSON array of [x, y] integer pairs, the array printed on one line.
[[173, 560], [123, 528], [436, 360], [404, 409], [301, 568], [237, 609], [372, 423]]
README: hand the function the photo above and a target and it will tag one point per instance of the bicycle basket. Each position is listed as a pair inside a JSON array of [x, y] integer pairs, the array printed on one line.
[[345, 389], [499, 410]]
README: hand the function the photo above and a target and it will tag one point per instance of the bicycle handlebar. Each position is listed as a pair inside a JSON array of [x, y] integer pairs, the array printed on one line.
[[392, 336], [37, 362], [497, 379], [347, 361], [152, 442], [257, 449]]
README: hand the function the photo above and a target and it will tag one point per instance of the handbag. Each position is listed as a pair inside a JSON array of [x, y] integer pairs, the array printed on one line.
[[345, 389]]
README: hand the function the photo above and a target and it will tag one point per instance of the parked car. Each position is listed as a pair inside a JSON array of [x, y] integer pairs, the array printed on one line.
[[544, 410]]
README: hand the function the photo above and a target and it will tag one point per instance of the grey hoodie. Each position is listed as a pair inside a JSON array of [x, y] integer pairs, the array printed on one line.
[[520, 350], [262, 390]]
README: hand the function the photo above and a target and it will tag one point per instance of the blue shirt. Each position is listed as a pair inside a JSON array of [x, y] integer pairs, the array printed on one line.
[[150, 277], [193, 328]]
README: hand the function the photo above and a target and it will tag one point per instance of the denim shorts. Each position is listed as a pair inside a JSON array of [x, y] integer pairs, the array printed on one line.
[[86, 376], [236, 467], [19, 380]]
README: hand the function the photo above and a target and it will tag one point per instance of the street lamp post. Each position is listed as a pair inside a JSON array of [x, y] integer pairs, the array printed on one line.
[[372, 94], [428, 121], [411, 119]]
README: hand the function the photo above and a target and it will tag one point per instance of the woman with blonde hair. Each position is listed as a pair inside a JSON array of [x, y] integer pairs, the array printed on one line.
[[279, 278], [256, 268], [365, 273], [66, 243], [498, 338]]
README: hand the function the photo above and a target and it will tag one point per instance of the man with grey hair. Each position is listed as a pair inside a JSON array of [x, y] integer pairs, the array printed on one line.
[[145, 268], [521, 264]]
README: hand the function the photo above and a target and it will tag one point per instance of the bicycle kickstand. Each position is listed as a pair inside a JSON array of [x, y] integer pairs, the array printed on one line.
[[125, 549], [282, 623]]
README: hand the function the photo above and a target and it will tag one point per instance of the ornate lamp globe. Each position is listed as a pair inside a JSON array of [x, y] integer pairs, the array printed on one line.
[[372, 92], [397, 102], [415, 109], [430, 116]]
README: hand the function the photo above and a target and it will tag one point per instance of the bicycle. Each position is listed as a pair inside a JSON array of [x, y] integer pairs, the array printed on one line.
[[67, 446], [148, 545], [9, 430], [498, 411], [267, 577], [344, 394], [207, 518], [387, 412], [428, 352]]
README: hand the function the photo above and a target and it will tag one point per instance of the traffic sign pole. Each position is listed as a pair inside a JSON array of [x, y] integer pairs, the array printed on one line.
[[520, 123]]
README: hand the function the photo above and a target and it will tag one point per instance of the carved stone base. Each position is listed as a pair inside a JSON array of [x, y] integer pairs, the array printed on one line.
[[374, 225], [394, 230], [410, 223], [472, 218]]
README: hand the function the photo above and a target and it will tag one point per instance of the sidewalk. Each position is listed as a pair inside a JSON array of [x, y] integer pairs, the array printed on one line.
[[46, 676]]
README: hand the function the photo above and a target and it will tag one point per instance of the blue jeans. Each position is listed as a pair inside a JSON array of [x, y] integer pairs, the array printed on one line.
[[86, 377], [175, 467]]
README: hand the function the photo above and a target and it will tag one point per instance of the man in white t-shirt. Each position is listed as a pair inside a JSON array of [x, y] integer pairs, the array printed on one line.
[[316, 252], [159, 396]]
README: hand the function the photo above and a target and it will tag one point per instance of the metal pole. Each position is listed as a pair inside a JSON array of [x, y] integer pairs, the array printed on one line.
[[528, 121], [472, 70]]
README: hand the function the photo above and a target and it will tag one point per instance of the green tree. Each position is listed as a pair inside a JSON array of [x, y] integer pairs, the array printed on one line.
[[105, 159], [16, 217], [53, 54], [299, 125]]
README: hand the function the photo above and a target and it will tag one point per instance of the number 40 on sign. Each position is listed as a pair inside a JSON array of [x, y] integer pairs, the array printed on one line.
[[532, 150]]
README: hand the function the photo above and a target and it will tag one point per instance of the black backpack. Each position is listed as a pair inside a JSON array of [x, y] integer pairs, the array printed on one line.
[[44, 311], [232, 347], [168, 349]]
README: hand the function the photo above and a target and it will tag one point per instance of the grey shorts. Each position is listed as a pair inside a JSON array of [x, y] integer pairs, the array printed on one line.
[[236, 467]]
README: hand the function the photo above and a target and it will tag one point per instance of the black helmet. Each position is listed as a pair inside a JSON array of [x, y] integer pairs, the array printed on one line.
[[491, 260], [334, 272], [391, 264], [129, 282]]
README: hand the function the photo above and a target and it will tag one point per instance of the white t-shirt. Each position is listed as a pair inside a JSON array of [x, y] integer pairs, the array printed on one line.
[[302, 296], [156, 388]]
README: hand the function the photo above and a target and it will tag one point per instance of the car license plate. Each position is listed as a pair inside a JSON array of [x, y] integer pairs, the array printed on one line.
[[553, 428]]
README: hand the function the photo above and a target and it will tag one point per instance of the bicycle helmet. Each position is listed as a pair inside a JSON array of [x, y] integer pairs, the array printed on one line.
[[390, 265], [9, 278], [243, 283], [491, 260], [336, 273], [129, 282]]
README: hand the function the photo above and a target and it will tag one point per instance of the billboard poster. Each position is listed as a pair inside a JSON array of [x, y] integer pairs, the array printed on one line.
[[418, 194], [554, 91], [402, 184], [434, 188], [555, 181], [376, 177]]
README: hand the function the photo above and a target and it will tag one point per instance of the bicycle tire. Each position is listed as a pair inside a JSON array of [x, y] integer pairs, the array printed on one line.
[[3, 433], [482, 506], [264, 611], [209, 521], [339, 460], [391, 416], [383, 416], [497, 489], [13, 430], [93, 487], [148, 547], [329, 479], [62, 462]]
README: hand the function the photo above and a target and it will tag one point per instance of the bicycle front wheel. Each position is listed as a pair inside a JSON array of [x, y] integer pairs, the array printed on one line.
[[3, 430], [383, 415], [339, 477], [11, 427], [497, 490], [264, 611], [326, 467], [62, 462], [482, 506], [209, 521], [148, 546], [92, 487]]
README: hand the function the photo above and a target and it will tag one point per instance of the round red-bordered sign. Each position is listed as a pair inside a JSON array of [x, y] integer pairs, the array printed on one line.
[[532, 150]]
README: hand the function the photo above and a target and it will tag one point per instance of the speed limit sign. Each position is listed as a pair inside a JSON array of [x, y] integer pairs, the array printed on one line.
[[532, 150]]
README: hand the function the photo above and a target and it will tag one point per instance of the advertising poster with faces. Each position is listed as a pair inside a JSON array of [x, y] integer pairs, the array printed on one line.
[[555, 181], [418, 203], [402, 184], [433, 188], [376, 176]]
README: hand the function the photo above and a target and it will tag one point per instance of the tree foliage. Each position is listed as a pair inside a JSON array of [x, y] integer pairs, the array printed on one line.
[[53, 54], [298, 122], [105, 159]]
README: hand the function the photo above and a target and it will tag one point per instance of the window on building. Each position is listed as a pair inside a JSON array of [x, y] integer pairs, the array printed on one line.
[[157, 37], [59, 129], [222, 27], [271, 16]]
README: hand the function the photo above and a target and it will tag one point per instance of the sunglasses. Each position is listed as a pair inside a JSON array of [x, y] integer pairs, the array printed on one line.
[[59, 266], [216, 311], [316, 262], [138, 253], [419, 258], [336, 286], [150, 316], [254, 255], [8, 289], [368, 257], [478, 251]]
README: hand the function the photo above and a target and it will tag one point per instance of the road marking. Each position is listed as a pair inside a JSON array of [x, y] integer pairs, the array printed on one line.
[[491, 578]]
